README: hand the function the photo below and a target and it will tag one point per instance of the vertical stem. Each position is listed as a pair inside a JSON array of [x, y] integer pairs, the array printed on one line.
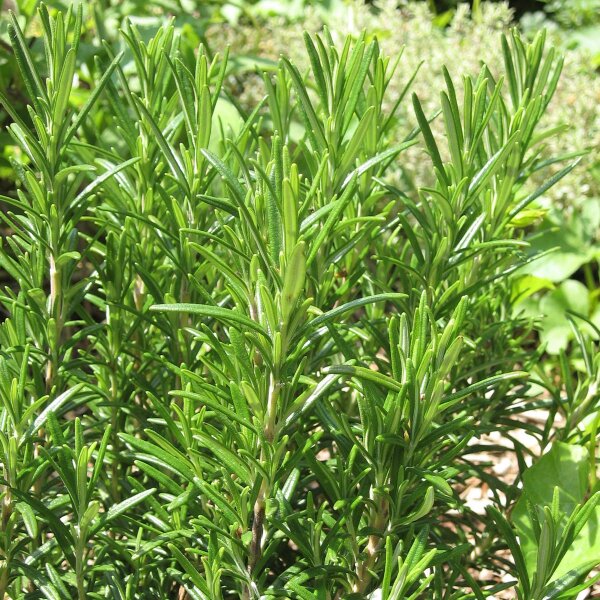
[[3, 582], [55, 334], [6, 512], [272, 399], [258, 519], [115, 436], [378, 522], [257, 526], [79, 565], [6, 506], [56, 314], [593, 447]]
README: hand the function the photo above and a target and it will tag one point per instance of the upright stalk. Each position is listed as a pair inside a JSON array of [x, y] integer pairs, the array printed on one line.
[[258, 519], [55, 324], [378, 523], [80, 566], [7, 508]]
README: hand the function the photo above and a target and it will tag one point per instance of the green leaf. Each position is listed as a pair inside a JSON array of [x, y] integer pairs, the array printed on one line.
[[565, 466], [424, 508], [429, 139], [366, 374], [157, 455], [214, 405], [484, 384], [28, 518], [117, 510], [26, 64], [192, 572], [228, 458], [167, 150], [314, 128], [93, 97], [220, 314], [94, 185], [53, 407], [294, 280], [352, 306]]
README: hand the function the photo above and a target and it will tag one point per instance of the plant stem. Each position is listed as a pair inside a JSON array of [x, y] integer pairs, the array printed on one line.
[[6, 512], [56, 314], [115, 467], [258, 519], [79, 566], [257, 527], [378, 522]]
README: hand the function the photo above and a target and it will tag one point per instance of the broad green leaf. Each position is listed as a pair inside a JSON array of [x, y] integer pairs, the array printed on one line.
[[565, 466]]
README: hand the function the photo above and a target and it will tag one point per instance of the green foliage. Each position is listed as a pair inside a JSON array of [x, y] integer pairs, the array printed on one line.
[[563, 219], [577, 13], [568, 529], [237, 360]]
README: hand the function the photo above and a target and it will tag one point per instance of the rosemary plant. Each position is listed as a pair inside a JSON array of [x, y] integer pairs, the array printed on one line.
[[237, 361]]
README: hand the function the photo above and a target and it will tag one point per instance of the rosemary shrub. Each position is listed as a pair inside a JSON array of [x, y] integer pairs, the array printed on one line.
[[237, 361]]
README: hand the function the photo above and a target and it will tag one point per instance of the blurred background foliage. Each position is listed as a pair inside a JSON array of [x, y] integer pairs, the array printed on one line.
[[564, 223]]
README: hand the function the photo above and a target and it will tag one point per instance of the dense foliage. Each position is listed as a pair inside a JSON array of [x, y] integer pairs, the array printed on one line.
[[566, 217], [240, 357]]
